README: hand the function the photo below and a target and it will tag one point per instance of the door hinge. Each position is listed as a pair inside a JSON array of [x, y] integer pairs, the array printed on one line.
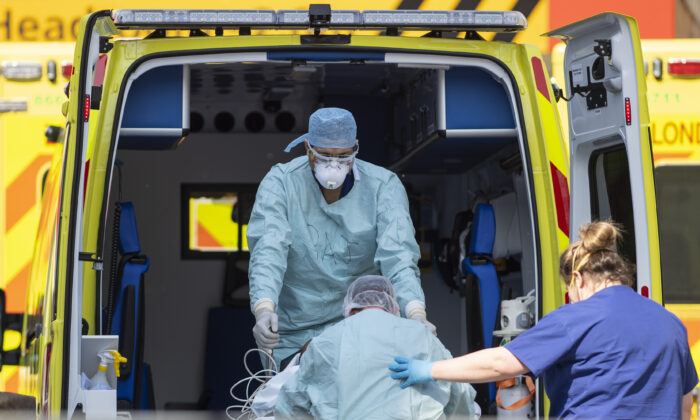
[[97, 262], [105, 45]]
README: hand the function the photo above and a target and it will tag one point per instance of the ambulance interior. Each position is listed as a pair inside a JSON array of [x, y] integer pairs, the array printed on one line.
[[451, 131]]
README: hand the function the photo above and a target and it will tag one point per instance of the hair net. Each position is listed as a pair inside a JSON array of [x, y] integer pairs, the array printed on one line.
[[370, 291], [331, 128]]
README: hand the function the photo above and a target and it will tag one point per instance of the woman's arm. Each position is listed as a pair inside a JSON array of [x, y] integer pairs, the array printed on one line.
[[486, 365], [687, 405], [482, 366]]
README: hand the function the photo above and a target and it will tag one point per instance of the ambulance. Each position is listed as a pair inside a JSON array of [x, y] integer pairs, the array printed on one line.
[[672, 68], [164, 132], [32, 81]]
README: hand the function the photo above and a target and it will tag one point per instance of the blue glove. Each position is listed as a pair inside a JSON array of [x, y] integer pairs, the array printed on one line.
[[413, 370]]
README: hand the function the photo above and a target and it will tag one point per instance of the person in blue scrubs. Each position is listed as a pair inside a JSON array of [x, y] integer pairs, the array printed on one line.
[[610, 354], [319, 222]]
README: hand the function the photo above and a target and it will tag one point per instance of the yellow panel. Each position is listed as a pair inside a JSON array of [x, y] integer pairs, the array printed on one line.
[[11, 340], [244, 245], [24, 141], [215, 217]]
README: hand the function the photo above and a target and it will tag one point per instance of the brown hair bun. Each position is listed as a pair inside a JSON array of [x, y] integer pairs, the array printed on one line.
[[599, 236], [595, 254]]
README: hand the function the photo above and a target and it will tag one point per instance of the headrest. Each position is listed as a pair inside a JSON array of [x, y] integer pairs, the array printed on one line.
[[507, 242], [128, 234], [483, 230]]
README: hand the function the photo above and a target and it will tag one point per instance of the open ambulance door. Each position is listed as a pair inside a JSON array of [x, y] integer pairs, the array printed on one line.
[[611, 162], [61, 386]]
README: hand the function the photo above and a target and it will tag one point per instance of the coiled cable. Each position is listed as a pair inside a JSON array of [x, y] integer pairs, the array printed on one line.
[[114, 261], [113, 268], [257, 379]]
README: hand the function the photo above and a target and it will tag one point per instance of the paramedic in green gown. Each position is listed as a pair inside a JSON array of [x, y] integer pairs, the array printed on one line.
[[319, 222]]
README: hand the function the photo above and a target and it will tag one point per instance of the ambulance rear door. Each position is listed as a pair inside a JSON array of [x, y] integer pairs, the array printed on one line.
[[611, 162]]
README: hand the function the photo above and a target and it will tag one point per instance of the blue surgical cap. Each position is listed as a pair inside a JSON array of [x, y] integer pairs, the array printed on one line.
[[329, 128]]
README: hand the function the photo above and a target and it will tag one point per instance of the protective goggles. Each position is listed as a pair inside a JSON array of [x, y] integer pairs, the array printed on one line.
[[342, 159]]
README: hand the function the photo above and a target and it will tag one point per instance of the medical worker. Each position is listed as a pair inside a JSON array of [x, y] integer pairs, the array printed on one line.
[[342, 372], [611, 354], [319, 222]]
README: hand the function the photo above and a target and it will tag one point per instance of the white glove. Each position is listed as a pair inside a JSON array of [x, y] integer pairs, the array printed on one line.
[[416, 310], [265, 329]]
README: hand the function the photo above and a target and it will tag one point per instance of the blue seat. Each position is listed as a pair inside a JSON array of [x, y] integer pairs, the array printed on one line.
[[128, 318], [479, 263]]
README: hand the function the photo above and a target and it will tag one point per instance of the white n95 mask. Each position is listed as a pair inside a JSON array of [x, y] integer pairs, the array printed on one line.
[[331, 171], [331, 176]]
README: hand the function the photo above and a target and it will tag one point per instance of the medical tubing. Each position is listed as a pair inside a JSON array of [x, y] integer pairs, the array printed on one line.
[[261, 376], [113, 265]]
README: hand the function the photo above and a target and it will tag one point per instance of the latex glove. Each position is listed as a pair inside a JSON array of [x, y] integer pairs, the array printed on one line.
[[265, 329], [416, 310], [413, 370]]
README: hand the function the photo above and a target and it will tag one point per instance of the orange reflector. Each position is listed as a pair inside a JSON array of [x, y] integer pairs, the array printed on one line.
[[684, 67]]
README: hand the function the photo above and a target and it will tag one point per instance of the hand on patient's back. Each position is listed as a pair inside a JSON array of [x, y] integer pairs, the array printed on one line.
[[414, 371]]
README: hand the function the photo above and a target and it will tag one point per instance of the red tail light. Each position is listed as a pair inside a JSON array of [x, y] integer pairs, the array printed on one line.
[[684, 67], [66, 69], [645, 291]]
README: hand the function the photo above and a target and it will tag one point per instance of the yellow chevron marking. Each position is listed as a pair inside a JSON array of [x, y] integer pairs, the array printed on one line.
[[494, 5], [439, 4], [19, 243], [537, 24]]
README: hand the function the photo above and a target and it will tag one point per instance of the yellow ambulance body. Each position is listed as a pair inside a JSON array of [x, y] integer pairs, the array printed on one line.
[[463, 120], [31, 94]]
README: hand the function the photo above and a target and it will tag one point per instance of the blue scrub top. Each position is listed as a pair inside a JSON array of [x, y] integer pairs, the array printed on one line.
[[614, 355]]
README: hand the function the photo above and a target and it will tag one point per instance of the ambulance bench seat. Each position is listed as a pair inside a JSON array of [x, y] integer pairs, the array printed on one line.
[[135, 380], [479, 263]]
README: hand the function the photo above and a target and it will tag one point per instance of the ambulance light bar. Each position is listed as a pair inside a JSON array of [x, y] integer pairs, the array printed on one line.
[[422, 20]]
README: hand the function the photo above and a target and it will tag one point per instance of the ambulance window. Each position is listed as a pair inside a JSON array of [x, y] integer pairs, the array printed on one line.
[[610, 194], [677, 201], [215, 218]]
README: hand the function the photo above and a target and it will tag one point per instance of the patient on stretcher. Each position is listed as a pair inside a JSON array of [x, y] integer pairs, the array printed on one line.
[[343, 372]]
